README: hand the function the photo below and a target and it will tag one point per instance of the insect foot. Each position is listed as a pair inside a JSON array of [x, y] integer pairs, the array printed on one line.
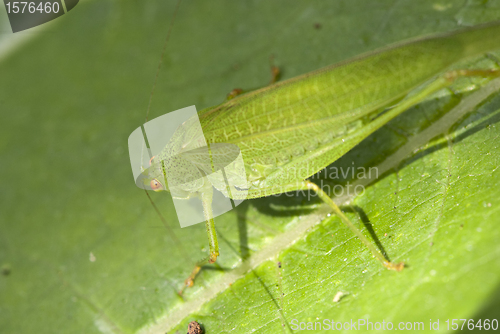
[[394, 266]]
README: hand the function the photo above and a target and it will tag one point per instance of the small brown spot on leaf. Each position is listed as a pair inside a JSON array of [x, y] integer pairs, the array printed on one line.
[[194, 328]]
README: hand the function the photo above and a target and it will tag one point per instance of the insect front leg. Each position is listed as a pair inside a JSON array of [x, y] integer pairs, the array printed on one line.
[[206, 200]]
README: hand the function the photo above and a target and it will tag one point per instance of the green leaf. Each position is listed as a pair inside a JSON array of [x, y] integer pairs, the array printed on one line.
[[83, 251]]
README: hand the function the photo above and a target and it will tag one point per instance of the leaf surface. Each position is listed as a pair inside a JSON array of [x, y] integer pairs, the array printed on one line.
[[83, 251]]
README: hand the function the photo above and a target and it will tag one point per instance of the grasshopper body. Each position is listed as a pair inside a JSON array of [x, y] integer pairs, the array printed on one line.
[[291, 130]]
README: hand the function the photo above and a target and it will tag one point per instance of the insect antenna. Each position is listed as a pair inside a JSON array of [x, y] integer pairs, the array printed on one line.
[[163, 220], [169, 229], [169, 31]]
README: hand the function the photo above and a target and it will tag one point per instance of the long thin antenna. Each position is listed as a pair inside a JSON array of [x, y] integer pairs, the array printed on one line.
[[161, 57], [163, 220], [170, 232]]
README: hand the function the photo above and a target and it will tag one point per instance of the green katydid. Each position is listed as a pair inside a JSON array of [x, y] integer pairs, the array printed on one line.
[[290, 130]]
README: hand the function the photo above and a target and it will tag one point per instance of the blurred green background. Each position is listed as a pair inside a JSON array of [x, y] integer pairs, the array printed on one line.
[[83, 251]]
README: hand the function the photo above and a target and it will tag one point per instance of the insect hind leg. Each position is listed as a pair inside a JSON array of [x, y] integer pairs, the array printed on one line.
[[451, 76], [308, 185]]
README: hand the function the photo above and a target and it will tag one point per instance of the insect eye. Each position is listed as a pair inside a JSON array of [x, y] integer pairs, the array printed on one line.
[[155, 185]]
